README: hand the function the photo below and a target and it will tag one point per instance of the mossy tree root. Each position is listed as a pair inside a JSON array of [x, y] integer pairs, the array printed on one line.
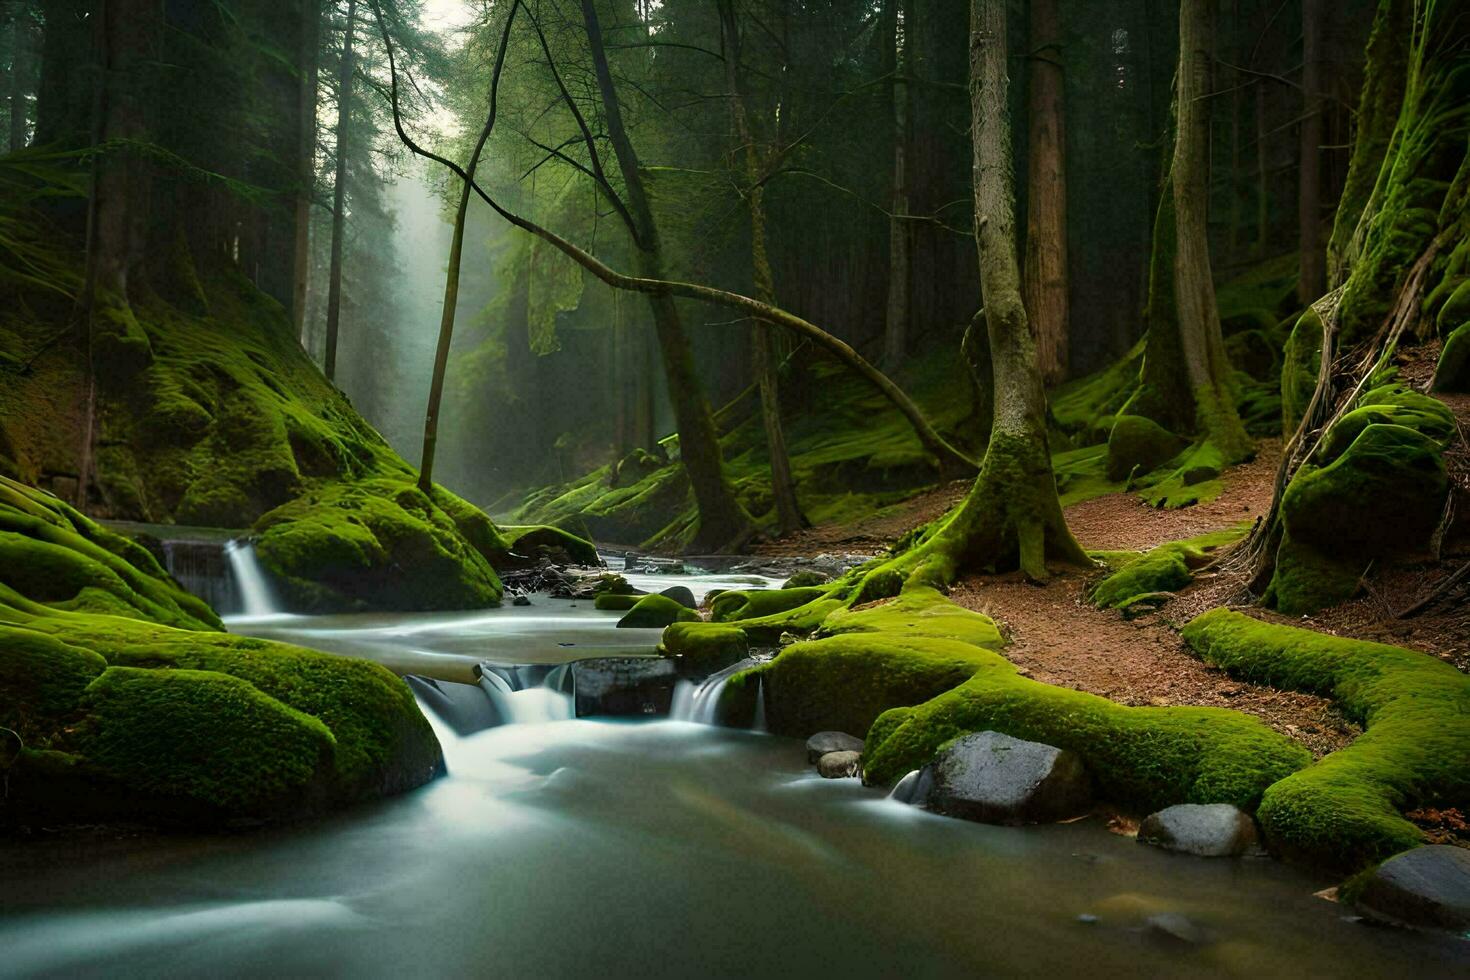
[[1346, 811]]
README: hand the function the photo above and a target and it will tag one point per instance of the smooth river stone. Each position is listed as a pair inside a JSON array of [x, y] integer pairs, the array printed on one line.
[[994, 778], [1201, 829]]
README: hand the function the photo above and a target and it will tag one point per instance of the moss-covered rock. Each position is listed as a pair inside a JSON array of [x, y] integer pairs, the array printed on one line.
[[1455, 310], [804, 579], [542, 542], [129, 720], [615, 601], [1301, 361], [1139, 444], [375, 544], [656, 612], [740, 604], [704, 648], [1346, 811], [53, 555], [1453, 371]]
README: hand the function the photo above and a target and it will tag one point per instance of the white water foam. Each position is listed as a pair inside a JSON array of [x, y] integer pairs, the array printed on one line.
[[256, 596]]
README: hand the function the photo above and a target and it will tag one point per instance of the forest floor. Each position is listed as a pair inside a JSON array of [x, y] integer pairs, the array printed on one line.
[[1057, 637]]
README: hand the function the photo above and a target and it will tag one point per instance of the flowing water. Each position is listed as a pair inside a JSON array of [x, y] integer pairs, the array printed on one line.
[[257, 599], [559, 847]]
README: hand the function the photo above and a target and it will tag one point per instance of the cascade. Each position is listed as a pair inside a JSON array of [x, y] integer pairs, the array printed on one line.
[[256, 597]]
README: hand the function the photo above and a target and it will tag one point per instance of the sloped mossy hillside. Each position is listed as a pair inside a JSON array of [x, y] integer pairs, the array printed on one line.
[[852, 455], [55, 557], [210, 413], [916, 671], [131, 706]]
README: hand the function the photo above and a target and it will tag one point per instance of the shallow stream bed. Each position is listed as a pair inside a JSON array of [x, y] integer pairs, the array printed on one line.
[[656, 849]]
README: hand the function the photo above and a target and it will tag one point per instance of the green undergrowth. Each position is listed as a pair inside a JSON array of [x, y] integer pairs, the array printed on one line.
[[853, 456], [1346, 810], [1149, 579], [916, 671]]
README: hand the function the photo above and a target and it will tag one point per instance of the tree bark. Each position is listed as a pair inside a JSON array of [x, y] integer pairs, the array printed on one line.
[[1011, 517], [783, 487], [339, 195], [1046, 201], [20, 41], [900, 230], [310, 37], [1185, 383], [1312, 278], [723, 523]]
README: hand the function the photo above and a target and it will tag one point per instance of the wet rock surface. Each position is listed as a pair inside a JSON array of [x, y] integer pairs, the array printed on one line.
[[824, 742], [994, 778], [1204, 830], [623, 685], [1427, 887], [838, 765]]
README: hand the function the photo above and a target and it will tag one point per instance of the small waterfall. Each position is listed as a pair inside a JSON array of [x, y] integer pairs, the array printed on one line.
[[202, 568], [758, 724], [256, 598], [700, 703], [527, 705]]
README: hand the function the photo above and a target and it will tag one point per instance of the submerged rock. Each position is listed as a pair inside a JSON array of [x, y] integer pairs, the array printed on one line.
[[838, 765], [623, 685], [824, 742], [1204, 830], [994, 778], [1427, 887], [1177, 927]]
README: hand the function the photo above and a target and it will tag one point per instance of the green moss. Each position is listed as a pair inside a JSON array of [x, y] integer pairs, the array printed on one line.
[[380, 544], [542, 541], [1302, 359], [918, 671], [202, 737], [615, 601], [51, 554], [1456, 309], [656, 612], [1191, 478], [1453, 371], [1139, 445], [804, 579], [1390, 404], [1346, 810], [734, 605], [142, 735], [1167, 568], [704, 647]]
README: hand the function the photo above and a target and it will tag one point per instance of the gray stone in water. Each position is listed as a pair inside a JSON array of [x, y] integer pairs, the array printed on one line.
[[913, 788], [838, 765], [823, 742], [682, 595], [994, 778], [1174, 926], [623, 685], [521, 600], [1428, 887], [1204, 830]]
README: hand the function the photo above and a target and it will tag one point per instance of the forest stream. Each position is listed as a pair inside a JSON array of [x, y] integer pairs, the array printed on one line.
[[558, 846]]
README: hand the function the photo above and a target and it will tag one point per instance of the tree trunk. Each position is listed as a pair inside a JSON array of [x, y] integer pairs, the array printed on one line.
[[1046, 210], [723, 523], [900, 231], [1312, 280], [311, 16], [783, 487], [19, 47], [1186, 384], [1011, 516], [339, 194]]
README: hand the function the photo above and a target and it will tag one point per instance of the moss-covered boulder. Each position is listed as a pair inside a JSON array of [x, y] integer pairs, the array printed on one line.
[[1347, 810], [125, 720], [1453, 372], [704, 648], [656, 612], [1301, 361], [51, 554], [542, 542], [1455, 310], [376, 544], [1383, 495], [615, 601], [1139, 444]]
